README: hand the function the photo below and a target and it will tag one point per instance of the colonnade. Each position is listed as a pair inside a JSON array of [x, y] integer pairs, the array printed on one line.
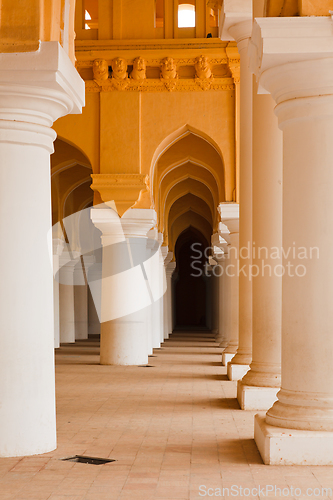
[[288, 370], [273, 316], [134, 300]]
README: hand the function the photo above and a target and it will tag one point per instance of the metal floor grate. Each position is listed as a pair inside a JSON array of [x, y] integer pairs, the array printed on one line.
[[89, 460]]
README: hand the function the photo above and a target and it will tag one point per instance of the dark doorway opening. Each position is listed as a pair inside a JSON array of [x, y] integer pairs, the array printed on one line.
[[191, 285]]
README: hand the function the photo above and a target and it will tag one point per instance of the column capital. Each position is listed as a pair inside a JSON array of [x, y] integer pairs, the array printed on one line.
[[168, 258], [164, 251], [170, 268], [135, 223], [292, 57], [37, 88], [236, 20], [229, 214], [219, 244]]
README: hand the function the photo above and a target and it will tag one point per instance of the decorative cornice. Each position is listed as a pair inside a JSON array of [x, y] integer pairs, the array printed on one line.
[[188, 61], [158, 85], [115, 46], [143, 71]]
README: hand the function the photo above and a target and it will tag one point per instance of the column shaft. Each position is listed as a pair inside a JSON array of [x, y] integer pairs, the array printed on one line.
[[265, 369], [298, 428], [125, 291], [244, 351], [27, 109]]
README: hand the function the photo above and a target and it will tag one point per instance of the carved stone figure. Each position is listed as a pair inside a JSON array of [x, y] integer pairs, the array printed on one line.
[[168, 69], [100, 70], [119, 73], [139, 69], [203, 68], [119, 68]]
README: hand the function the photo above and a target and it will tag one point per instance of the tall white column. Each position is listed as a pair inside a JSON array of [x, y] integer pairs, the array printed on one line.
[[67, 261], [170, 268], [214, 297], [94, 324], [237, 25], [162, 287], [257, 390], [225, 301], [36, 89], [152, 258], [218, 254], [298, 429], [229, 213], [58, 246], [125, 287], [167, 258], [81, 297]]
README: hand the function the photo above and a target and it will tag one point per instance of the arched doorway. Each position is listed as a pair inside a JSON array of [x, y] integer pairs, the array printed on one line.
[[191, 285]]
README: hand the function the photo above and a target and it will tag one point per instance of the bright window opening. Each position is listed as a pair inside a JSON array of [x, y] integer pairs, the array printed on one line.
[[186, 16], [87, 17], [90, 14]]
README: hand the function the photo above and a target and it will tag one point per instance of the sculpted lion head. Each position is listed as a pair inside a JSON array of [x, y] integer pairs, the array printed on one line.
[[203, 67], [139, 69], [119, 68], [168, 68], [100, 69]]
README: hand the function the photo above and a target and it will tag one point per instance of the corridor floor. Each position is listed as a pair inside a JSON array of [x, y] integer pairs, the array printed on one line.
[[175, 430]]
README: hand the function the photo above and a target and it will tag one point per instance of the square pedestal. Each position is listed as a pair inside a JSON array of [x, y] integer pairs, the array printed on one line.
[[280, 446], [236, 372], [256, 398], [226, 357]]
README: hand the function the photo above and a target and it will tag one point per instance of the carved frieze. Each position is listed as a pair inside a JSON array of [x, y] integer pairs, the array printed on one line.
[[169, 80]]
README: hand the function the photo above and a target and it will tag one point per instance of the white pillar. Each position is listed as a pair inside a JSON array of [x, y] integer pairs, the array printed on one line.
[[58, 246], [298, 429], [237, 25], [162, 287], [36, 89], [214, 297], [218, 277], [94, 275], [224, 298], [125, 290], [68, 261], [153, 334], [167, 258], [229, 213], [155, 240], [170, 268], [81, 297], [257, 390]]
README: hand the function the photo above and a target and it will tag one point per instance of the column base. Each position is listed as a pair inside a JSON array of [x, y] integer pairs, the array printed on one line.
[[226, 357], [236, 372], [255, 398], [123, 343], [280, 446]]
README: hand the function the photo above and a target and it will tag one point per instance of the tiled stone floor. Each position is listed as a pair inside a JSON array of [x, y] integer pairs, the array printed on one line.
[[173, 429]]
